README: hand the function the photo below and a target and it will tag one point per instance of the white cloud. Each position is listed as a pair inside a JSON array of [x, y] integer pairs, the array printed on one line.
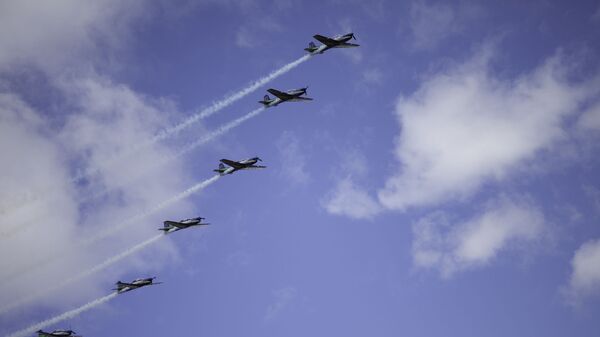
[[251, 34], [464, 127], [431, 23], [455, 247], [92, 119], [585, 278], [50, 34], [107, 119], [293, 159], [372, 76], [349, 200], [283, 297], [590, 119]]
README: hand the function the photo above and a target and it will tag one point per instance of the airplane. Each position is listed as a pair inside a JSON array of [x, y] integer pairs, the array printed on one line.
[[340, 41], [56, 333], [288, 96], [137, 283], [173, 226], [245, 164]]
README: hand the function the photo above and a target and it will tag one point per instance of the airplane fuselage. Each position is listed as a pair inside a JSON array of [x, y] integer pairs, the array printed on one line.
[[137, 283], [56, 333], [339, 41], [293, 95], [245, 164], [172, 226]]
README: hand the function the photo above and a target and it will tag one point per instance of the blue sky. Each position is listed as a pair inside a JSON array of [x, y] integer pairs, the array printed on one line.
[[443, 180]]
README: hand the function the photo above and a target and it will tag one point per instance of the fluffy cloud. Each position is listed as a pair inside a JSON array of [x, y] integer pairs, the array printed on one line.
[[90, 122], [454, 247], [50, 34], [585, 278], [347, 199], [465, 126], [52, 216]]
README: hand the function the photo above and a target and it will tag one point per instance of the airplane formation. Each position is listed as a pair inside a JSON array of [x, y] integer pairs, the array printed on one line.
[[227, 166]]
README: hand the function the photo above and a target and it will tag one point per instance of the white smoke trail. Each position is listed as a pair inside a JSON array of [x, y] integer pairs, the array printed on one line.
[[105, 264], [216, 133], [215, 107], [212, 109], [194, 189], [191, 146], [67, 315]]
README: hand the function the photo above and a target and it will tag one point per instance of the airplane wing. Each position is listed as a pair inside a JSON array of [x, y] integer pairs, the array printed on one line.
[[347, 45], [299, 98], [325, 40], [281, 95], [256, 167], [232, 163], [174, 224]]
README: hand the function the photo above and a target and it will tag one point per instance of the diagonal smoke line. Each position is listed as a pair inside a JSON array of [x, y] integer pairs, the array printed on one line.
[[212, 109], [187, 148], [174, 130], [112, 230], [166, 203], [215, 107], [64, 316], [105, 264]]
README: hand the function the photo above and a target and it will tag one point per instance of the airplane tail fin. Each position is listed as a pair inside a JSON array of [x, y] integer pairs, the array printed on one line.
[[311, 47], [266, 100], [220, 169]]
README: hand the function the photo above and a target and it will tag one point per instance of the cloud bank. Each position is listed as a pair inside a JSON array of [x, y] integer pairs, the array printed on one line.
[[465, 126]]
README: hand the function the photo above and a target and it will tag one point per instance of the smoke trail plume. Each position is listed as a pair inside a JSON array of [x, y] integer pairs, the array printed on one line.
[[106, 263], [112, 230], [215, 107], [212, 109], [216, 133], [191, 146], [67, 315], [196, 188]]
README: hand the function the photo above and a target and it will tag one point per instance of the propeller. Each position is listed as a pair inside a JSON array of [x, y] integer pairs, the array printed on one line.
[[258, 159], [352, 34]]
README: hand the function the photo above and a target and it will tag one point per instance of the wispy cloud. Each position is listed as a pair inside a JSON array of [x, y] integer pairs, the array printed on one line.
[[585, 277], [283, 297], [350, 200], [293, 159], [430, 23], [452, 247]]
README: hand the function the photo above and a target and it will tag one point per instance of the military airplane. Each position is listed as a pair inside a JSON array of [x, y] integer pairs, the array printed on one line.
[[56, 333], [294, 95], [245, 164], [340, 41], [137, 283], [173, 226]]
